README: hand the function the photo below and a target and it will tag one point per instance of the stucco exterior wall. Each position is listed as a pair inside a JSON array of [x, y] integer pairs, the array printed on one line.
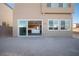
[[6, 20], [33, 11], [6, 14]]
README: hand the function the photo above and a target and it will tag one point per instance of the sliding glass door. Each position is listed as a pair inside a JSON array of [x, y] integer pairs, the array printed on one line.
[[29, 28], [22, 27]]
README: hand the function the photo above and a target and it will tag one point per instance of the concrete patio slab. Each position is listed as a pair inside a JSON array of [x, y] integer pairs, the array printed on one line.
[[39, 46]]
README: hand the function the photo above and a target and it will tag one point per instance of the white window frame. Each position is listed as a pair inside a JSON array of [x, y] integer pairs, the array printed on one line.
[[59, 24], [19, 26], [65, 21], [52, 26]]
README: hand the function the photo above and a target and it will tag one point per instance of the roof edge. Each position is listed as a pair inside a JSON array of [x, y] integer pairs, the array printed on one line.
[[8, 6]]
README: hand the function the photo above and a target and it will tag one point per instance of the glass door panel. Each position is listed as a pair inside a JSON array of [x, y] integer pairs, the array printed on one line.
[[34, 28], [22, 27], [22, 31]]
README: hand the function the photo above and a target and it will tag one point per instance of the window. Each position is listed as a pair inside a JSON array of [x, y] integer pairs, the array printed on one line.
[[65, 24], [57, 5], [65, 5], [53, 24], [48, 4], [52, 5], [62, 25], [50, 25], [60, 4], [22, 23], [22, 27], [56, 24]]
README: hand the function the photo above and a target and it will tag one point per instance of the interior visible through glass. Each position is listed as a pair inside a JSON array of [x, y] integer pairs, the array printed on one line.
[[34, 27]]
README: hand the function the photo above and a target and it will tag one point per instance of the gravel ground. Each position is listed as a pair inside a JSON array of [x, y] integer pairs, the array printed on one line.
[[39, 46]]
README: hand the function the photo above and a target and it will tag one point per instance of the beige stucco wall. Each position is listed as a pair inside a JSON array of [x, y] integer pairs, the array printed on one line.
[[33, 11], [6, 14]]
